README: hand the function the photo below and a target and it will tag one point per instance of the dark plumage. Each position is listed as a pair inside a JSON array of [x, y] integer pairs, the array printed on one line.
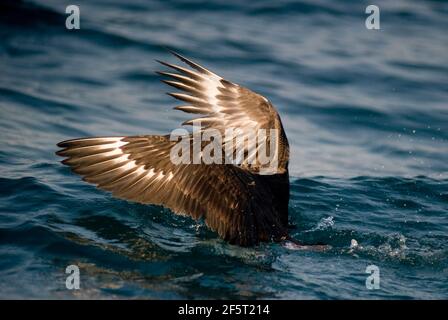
[[242, 205]]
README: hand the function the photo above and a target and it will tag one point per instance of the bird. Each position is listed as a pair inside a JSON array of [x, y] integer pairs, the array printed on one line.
[[243, 204]]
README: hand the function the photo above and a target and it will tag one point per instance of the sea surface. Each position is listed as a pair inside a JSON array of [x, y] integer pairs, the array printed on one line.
[[365, 111]]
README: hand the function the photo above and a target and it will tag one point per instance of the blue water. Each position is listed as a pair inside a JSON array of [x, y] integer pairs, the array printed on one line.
[[365, 112]]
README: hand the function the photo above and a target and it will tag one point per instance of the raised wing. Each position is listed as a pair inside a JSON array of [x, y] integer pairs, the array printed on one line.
[[234, 202], [224, 105]]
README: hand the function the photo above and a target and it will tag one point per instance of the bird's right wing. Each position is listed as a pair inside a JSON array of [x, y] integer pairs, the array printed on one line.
[[234, 202], [222, 105]]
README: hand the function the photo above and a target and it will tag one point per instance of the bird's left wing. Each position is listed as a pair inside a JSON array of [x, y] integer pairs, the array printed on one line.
[[232, 201]]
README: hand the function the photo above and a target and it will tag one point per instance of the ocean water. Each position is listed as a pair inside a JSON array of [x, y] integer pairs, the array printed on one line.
[[365, 112]]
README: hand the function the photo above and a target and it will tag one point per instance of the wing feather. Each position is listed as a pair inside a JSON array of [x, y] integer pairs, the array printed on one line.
[[222, 105], [139, 169]]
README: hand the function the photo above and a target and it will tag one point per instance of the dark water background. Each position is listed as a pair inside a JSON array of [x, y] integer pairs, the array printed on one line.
[[365, 111]]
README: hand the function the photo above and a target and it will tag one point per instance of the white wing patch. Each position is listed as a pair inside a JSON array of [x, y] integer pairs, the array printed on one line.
[[212, 85], [104, 161]]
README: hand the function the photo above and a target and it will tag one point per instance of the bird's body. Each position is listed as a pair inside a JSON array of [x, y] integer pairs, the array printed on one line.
[[242, 203]]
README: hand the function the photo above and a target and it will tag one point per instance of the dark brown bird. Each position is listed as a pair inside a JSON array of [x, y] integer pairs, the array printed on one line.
[[240, 203]]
